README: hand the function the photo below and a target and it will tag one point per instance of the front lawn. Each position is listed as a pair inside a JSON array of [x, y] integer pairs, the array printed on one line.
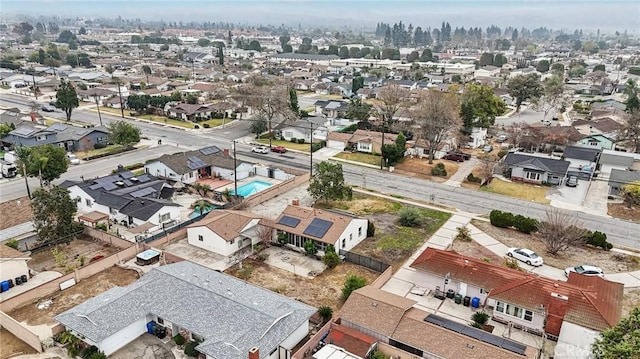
[[100, 151], [524, 191], [290, 145], [360, 157], [167, 120]]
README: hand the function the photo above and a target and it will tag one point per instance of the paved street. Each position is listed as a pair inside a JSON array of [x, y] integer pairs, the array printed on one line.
[[526, 115]]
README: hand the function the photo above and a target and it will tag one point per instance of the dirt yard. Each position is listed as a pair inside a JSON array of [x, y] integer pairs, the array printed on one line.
[[622, 211], [610, 262], [325, 289], [10, 345], [85, 289], [70, 255], [420, 168], [630, 301], [474, 250]]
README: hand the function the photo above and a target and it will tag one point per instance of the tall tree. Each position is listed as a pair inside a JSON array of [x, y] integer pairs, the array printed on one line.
[[220, 54], [542, 66], [357, 83], [328, 183], [358, 110], [620, 341], [124, 133], [270, 100], [53, 215], [629, 134], [436, 117], [552, 96], [631, 92], [499, 59], [146, 69], [480, 107], [486, 59], [46, 162], [390, 99], [293, 101], [66, 98], [523, 88]]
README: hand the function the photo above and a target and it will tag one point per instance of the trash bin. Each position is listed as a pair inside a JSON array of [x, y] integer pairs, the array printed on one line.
[[466, 301], [475, 302], [451, 294], [458, 298]]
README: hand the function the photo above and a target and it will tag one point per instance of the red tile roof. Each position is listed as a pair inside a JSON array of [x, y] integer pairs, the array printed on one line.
[[350, 340]]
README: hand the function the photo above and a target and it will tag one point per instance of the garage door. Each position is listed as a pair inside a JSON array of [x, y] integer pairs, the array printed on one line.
[[338, 145], [123, 337]]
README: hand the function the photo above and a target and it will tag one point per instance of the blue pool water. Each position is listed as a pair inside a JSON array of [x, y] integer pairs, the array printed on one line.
[[250, 188], [208, 208]]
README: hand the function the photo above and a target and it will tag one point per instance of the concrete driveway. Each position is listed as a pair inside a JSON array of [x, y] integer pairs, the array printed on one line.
[[570, 195], [145, 347], [596, 198]]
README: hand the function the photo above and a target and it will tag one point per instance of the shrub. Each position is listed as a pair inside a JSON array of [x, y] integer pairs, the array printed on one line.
[[439, 170], [87, 352], [99, 145], [597, 239], [378, 355], [511, 263], [502, 153], [178, 339], [317, 145], [351, 283], [301, 140], [525, 224], [481, 318], [330, 258], [262, 257], [101, 227], [245, 272], [463, 234], [98, 355], [473, 179], [12, 243], [190, 349], [206, 125], [283, 238], [294, 140], [410, 216], [371, 229], [310, 247], [196, 127], [325, 313], [501, 219]]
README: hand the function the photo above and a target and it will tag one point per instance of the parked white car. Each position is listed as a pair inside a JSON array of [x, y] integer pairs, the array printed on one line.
[[260, 149], [525, 255], [585, 269], [73, 159]]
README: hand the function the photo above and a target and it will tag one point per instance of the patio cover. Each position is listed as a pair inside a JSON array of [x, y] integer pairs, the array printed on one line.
[[94, 217]]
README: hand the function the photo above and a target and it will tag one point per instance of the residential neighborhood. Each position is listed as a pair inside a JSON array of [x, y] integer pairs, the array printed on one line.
[[236, 184]]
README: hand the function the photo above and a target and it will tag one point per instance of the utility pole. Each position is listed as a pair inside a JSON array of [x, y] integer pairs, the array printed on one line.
[[311, 153], [26, 179], [95, 96], [235, 169], [382, 146], [33, 78], [120, 96]]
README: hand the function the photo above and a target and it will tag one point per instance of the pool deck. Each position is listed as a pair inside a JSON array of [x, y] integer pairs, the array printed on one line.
[[247, 180], [214, 183]]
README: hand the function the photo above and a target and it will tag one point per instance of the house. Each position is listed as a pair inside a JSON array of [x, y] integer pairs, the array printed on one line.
[[600, 126], [487, 71], [340, 229], [583, 159], [13, 264], [350, 340], [16, 222], [224, 232], [71, 138], [95, 94], [190, 112], [535, 169], [536, 304], [599, 141], [331, 109], [188, 167], [12, 117], [625, 161], [302, 129], [396, 323], [250, 321], [619, 178], [127, 199], [371, 141]]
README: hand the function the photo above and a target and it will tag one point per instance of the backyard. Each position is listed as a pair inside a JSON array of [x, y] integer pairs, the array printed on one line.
[[527, 192], [324, 289], [610, 262], [10, 345], [64, 258], [392, 242]]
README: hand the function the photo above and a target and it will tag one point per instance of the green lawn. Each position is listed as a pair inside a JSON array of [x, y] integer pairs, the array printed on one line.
[[214, 122], [527, 192], [407, 238], [360, 157], [294, 146], [99, 151], [113, 111]]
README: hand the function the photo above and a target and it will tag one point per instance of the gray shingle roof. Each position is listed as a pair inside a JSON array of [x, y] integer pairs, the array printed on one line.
[[614, 159], [582, 153], [227, 312], [550, 165], [619, 178], [178, 162]]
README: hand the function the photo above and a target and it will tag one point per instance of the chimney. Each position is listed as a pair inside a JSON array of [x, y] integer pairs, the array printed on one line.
[[295, 202], [226, 152], [254, 353]]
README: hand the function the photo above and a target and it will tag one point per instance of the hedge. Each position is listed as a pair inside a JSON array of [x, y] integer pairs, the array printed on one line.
[[597, 239], [507, 220]]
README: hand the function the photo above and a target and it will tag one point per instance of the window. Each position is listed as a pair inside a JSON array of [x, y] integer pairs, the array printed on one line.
[[41, 138], [483, 291], [87, 201], [350, 237], [232, 241], [528, 315], [500, 307], [514, 311], [200, 238], [344, 243], [593, 143], [359, 231], [165, 217], [78, 199], [535, 176], [160, 320]]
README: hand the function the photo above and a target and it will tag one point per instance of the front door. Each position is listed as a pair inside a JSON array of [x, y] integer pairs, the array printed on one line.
[[463, 289]]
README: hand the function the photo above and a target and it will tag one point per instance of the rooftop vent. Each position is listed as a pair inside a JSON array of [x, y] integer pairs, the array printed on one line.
[[120, 183], [133, 179]]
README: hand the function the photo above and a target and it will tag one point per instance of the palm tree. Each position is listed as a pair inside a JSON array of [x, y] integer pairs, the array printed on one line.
[[147, 71]]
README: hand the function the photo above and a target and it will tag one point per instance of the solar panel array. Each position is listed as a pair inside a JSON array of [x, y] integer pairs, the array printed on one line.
[[317, 228], [195, 163], [57, 127], [142, 192], [126, 175], [209, 150], [289, 221], [477, 334], [144, 178]]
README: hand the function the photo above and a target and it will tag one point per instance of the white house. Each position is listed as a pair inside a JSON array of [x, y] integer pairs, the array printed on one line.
[[323, 227], [228, 317], [224, 232]]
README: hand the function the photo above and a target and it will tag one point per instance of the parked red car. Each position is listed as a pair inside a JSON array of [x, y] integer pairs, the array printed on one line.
[[454, 157], [278, 149]]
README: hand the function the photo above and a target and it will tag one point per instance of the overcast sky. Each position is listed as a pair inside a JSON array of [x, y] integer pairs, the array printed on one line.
[[608, 15]]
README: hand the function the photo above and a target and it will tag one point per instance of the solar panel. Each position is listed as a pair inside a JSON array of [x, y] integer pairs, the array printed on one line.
[[473, 332], [127, 183], [109, 186], [95, 186], [144, 178], [195, 163], [126, 175], [514, 347], [142, 192], [317, 228], [289, 221], [57, 127], [209, 150], [493, 340]]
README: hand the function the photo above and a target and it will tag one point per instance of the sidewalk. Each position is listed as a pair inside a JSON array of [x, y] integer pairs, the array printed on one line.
[[461, 174]]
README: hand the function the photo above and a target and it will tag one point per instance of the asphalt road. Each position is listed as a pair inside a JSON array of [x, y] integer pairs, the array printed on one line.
[[528, 116]]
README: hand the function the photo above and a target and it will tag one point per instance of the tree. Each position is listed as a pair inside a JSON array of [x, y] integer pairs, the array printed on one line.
[[325, 313], [191, 99], [480, 107], [413, 56], [66, 36], [629, 134], [499, 59], [631, 194], [5, 129], [552, 94], [255, 46], [46, 162], [53, 215], [124, 133], [542, 66], [258, 126], [310, 247], [82, 31], [631, 92], [560, 230], [395, 152], [343, 52], [220, 54], [599, 67], [486, 59], [620, 341], [436, 116], [270, 100], [351, 283], [390, 99], [558, 68], [66, 98], [358, 110], [328, 183], [146, 69], [523, 88], [330, 258], [293, 101], [357, 83], [203, 42], [426, 55]]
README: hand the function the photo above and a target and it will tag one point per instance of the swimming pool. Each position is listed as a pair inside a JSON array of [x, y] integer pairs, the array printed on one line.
[[250, 188], [208, 208]]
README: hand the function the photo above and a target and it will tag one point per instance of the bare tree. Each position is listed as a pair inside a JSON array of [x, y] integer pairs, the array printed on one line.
[[264, 234], [516, 132], [560, 230], [486, 167], [391, 98], [552, 95], [629, 135], [436, 117]]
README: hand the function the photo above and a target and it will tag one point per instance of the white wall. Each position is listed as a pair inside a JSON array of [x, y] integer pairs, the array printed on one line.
[[158, 168], [211, 241], [574, 342], [12, 268], [123, 337], [174, 212], [75, 191], [244, 170], [350, 234]]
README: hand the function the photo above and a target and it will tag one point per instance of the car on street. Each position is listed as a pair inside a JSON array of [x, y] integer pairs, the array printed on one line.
[[52, 104], [585, 269], [525, 255], [48, 109], [487, 148], [454, 157], [260, 149], [502, 138], [572, 181], [463, 154], [73, 159], [278, 149], [19, 85]]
